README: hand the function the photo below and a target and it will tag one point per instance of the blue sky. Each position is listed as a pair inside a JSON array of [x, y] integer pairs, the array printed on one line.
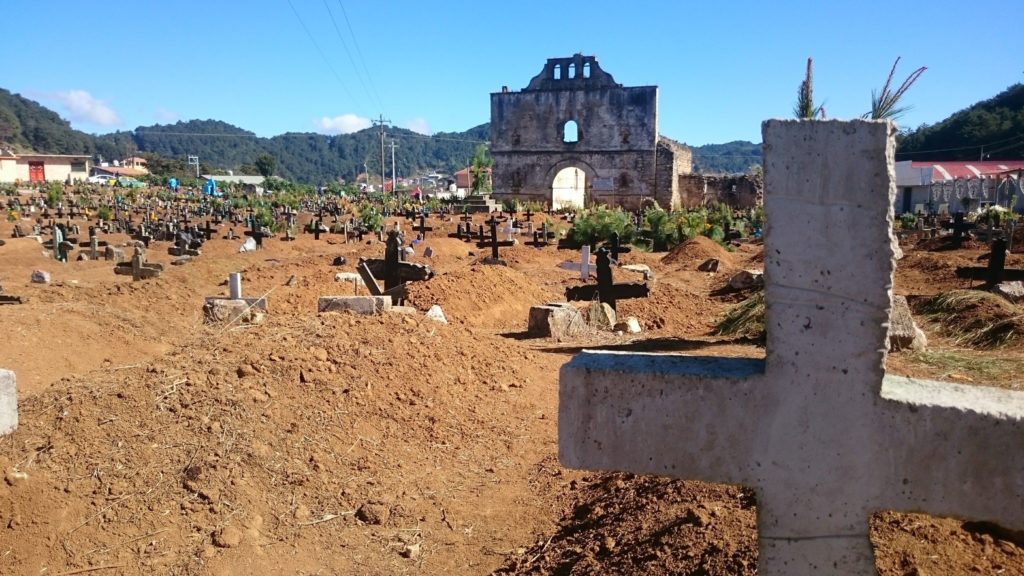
[[722, 67]]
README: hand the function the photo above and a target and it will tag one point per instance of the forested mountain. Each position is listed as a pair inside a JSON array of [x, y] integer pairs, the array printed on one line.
[[27, 126], [734, 157], [992, 128]]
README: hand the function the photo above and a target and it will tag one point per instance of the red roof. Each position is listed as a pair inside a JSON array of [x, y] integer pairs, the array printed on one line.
[[966, 170]]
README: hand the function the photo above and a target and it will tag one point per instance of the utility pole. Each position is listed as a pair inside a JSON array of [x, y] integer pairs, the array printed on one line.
[[394, 181], [381, 122], [194, 160]]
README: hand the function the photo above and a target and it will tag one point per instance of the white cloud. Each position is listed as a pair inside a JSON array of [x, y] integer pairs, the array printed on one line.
[[84, 107], [419, 125], [166, 116], [344, 124]]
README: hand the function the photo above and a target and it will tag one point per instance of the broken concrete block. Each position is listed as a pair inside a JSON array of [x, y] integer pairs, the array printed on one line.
[[356, 304], [217, 310], [747, 279], [641, 268], [8, 402], [558, 320], [40, 277], [903, 332], [435, 313], [1012, 291]]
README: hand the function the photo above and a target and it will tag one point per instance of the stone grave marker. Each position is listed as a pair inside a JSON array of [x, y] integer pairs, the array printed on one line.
[[8, 402], [817, 428]]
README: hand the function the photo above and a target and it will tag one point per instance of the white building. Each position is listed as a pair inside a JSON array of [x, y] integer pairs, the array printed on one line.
[[938, 187], [35, 168]]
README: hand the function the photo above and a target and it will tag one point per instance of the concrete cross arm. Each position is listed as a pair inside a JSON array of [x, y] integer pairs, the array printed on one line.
[[953, 450], [658, 414]]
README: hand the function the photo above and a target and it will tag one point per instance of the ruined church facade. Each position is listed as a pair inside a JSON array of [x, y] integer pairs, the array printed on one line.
[[574, 136]]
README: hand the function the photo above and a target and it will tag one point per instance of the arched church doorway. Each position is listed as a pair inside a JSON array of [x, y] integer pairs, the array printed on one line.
[[569, 188]]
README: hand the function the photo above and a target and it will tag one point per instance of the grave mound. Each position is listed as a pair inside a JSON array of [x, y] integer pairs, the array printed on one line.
[[944, 243], [693, 252], [277, 441], [975, 318], [481, 295]]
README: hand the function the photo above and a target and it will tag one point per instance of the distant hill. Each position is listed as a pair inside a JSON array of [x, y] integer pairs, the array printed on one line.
[[26, 125], [992, 127], [735, 157], [305, 156]]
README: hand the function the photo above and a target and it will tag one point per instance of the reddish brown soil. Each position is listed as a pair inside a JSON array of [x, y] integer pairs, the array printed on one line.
[[350, 445]]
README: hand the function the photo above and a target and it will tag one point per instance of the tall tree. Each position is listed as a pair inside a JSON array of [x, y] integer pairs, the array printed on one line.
[[265, 163], [481, 170]]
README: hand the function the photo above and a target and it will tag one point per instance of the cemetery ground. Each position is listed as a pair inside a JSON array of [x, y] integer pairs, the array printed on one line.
[[150, 442]]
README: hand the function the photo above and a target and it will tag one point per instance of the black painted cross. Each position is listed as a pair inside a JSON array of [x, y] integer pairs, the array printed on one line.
[[958, 226], [493, 241], [606, 290], [422, 228]]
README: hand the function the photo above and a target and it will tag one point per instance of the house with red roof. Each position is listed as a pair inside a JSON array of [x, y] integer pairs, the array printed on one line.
[[938, 187]]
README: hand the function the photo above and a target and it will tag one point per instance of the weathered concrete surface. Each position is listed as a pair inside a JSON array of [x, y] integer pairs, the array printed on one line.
[[618, 148], [356, 304], [8, 402], [816, 429]]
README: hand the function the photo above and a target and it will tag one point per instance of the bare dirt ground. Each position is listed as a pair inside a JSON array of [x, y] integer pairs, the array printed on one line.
[[340, 444]]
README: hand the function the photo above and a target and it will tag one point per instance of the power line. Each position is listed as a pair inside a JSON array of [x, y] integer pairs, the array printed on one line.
[[322, 55], [355, 42], [963, 147], [347, 51]]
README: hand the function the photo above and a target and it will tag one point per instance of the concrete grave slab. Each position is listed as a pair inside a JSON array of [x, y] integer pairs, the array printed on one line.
[[356, 304], [817, 428]]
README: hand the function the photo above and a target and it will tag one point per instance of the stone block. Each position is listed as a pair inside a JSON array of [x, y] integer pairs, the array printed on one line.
[[747, 279], [217, 310], [8, 402], [601, 316], [631, 325], [112, 254], [903, 332], [558, 320], [435, 313], [349, 277], [40, 277], [356, 304], [710, 265]]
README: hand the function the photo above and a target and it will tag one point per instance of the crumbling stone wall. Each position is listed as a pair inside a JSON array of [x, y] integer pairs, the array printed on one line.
[[617, 145], [738, 191]]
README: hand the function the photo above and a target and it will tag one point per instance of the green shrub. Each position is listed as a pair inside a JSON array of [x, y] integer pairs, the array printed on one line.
[[370, 217], [596, 225], [54, 194]]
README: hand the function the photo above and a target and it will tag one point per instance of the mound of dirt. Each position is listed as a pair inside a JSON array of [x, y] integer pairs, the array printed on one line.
[[944, 243], [623, 524], [693, 253], [482, 295], [346, 440]]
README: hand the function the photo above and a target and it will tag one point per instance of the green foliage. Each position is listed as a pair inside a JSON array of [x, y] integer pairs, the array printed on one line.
[[8, 189], [597, 225], [991, 129], [54, 194], [908, 219], [663, 231], [805, 107], [884, 103], [370, 217], [481, 170], [265, 163], [104, 213]]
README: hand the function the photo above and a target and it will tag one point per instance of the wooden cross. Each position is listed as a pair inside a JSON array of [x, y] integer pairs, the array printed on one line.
[[817, 429], [423, 228], [959, 226], [996, 270], [493, 241], [207, 231], [541, 237], [606, 290], [615, 248]]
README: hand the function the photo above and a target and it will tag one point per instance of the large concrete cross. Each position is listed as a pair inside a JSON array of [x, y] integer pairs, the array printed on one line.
[[817, 428]]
